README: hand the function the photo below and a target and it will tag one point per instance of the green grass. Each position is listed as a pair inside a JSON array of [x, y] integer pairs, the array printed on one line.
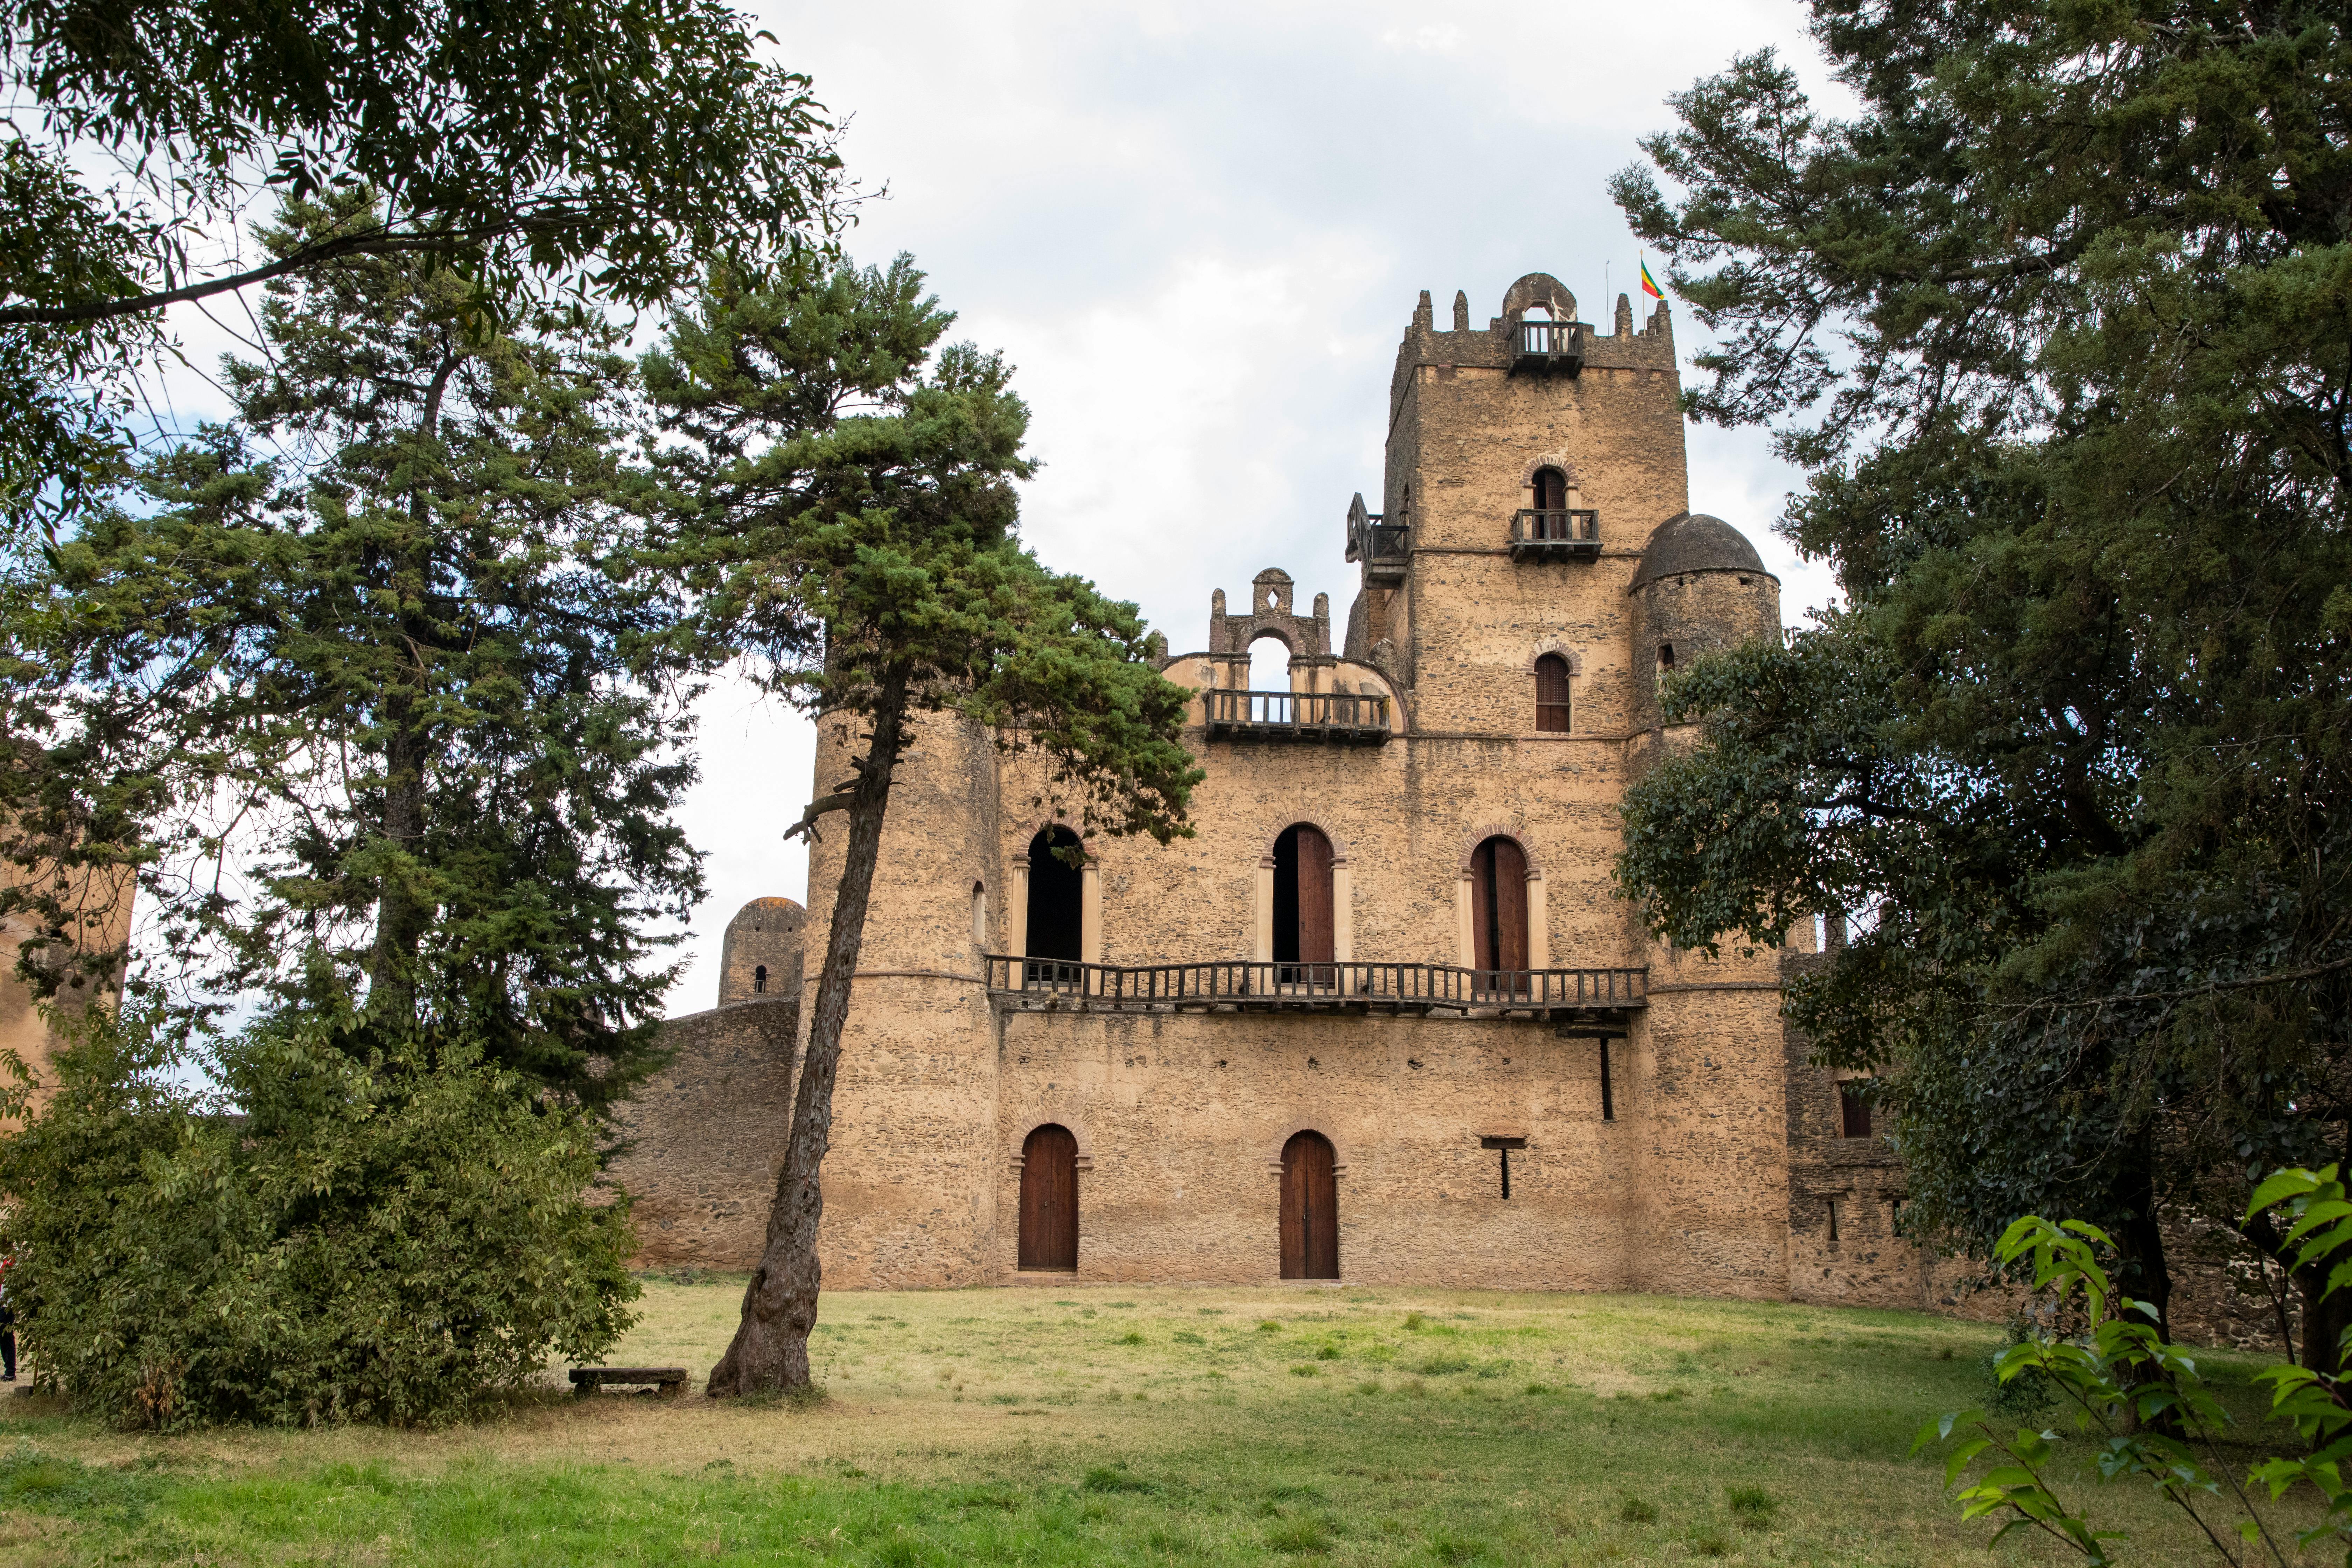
[[1005, 1427]]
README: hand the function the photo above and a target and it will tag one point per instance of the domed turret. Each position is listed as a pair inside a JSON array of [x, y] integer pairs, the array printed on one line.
[[1692, 541], [1700, 587], [759, 957]]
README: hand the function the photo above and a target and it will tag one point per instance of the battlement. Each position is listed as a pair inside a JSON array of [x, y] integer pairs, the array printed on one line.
[[1538, 323]]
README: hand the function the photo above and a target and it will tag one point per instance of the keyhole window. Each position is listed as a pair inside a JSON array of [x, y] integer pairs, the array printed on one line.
[[759, 978]]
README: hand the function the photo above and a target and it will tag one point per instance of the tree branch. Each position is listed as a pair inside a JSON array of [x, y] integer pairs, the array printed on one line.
[[377, 242]]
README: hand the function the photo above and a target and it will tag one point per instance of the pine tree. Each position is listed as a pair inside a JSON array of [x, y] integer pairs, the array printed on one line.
[[361, 692], [2060, 323], [843, 503]]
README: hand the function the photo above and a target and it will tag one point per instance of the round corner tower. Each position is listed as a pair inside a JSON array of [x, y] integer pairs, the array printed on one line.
[[759, 956], [1700, 588]]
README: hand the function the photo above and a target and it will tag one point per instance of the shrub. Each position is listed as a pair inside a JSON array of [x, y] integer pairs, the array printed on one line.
[[1751, 1506], [1129, 1338], [391, 1237], [1633, 1510], [1414, 1321]]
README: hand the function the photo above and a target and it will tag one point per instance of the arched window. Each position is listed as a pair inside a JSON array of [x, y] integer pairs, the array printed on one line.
[[1269, 671], [1056, 899], [1498, 912], [980, 916], [1551, 694], [1302, 908], [1049, 1199], [1310, 1208], [1551, 489], [759, 978]]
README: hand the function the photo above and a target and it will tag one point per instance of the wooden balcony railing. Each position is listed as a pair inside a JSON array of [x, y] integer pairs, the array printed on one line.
[[1335, 718], [1237, 985], [1546, 346], [1569, 534]]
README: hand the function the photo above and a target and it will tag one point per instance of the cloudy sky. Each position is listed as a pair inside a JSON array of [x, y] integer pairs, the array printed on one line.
[[1198, 231]]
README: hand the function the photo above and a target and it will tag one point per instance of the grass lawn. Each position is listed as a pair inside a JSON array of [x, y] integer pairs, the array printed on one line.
[[1078, 1425]]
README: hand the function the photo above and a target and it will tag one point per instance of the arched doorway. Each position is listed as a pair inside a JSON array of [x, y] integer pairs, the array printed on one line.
[[1551, 489], [1057, 904], [1498, 913], [1049, 1199], [1303, 939], [1311, 1209]]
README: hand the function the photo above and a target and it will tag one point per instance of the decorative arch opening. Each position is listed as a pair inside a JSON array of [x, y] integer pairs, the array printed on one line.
[[1269, 662], [759, 978], [1551, 489], [1304, 926], [1499, 915], [1310, 1208], [1551, 694], [1056, 901], [1049, 1200]]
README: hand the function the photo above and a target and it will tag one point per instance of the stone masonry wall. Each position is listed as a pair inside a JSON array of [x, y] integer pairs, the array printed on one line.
[[705, 1135]]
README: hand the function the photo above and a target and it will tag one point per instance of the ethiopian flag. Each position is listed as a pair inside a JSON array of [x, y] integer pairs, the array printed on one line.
[[1650, 284]]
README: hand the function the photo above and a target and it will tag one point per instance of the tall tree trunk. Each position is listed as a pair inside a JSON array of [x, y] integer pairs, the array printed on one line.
[[770, 1347], [400, 916]]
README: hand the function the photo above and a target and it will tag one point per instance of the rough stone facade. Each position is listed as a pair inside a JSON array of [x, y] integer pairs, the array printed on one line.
[[1707, 1161]]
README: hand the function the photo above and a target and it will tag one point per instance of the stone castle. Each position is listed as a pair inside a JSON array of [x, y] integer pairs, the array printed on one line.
[[1384, 1018]]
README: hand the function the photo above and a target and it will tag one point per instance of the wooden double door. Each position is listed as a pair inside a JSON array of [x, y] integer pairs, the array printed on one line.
[[1310, 1208]]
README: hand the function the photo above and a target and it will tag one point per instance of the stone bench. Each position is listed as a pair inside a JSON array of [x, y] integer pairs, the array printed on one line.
[[668, 1381]]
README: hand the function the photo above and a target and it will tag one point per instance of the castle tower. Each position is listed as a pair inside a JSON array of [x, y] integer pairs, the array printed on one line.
[[910, 1176], [760, 953]]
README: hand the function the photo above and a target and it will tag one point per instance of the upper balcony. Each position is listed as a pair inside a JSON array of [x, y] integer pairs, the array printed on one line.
[[1546, 346], [1381, 546], [1324, 718], [1568, 533], [1598, 998]]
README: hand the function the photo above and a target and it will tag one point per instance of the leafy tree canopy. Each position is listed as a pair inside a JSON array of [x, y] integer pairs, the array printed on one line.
[[614, 144], [2060, 323]]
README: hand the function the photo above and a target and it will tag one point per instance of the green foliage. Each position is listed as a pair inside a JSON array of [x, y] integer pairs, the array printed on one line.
[[2144, 1405], [841, 504], [2060, 322], [358, 693], [1751, 1506], [605, 146], [392, 1240]]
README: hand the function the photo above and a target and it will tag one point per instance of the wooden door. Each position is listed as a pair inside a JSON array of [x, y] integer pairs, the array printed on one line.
[[1499, 886], [1049, 1199], [1314, 923], [1311, 1209]]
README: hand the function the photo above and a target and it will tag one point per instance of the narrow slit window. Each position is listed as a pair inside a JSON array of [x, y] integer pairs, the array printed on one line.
[[759, 978], [1833, 1234], [1608, 1098], [979, 915], [1552, 695]]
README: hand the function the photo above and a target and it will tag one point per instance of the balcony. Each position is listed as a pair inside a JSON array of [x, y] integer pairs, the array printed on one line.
[[1380, 546], [1385, 551], [1588, 996], [1332, 719], [1543, 347], [1573, 534]]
